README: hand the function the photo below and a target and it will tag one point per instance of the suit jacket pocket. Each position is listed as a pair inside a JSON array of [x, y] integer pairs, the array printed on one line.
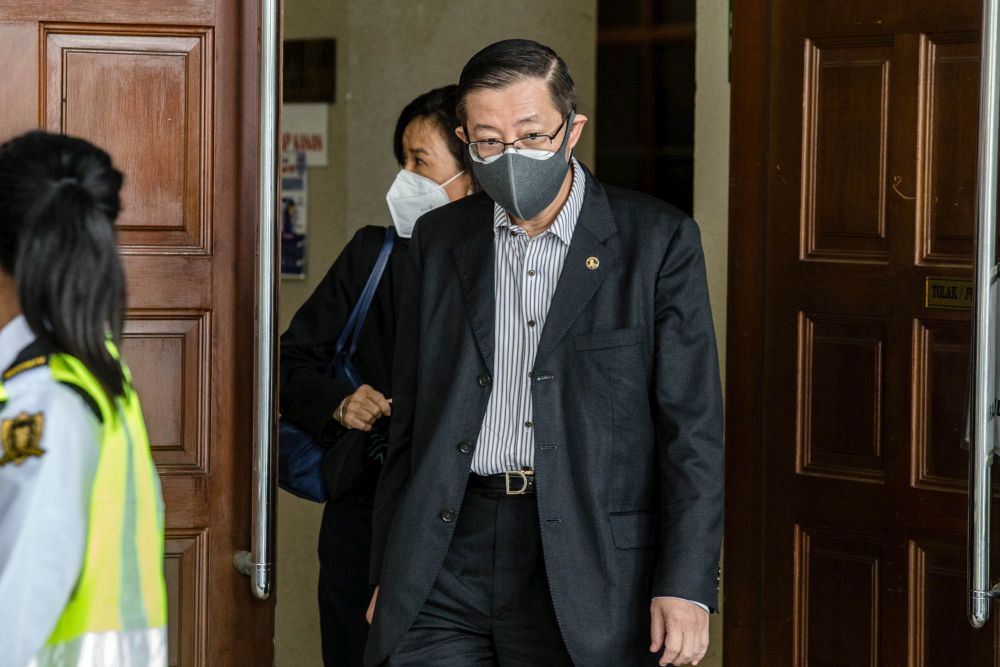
[[633, 530], [601, 340]]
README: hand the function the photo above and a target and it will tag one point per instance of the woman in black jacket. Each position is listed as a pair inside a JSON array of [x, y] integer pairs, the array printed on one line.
[[354, 424]]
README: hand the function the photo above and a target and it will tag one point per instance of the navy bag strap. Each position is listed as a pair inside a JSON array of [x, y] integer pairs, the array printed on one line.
[[352, 330]]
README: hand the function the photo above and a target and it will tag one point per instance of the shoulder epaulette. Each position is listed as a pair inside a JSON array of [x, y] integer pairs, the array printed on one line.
[[35, 356], [30, 357]]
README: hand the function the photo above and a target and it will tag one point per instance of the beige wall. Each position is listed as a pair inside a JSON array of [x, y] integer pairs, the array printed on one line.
[[711, 150], [388, 52], [711, 182]]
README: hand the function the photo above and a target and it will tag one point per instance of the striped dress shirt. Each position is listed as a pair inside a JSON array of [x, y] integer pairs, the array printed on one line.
[[526, 272]]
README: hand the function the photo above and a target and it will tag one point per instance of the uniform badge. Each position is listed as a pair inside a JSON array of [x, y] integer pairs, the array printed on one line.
[[21, 438], [593, 263]]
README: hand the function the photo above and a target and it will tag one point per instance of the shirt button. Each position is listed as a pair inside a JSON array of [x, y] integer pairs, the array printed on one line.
[[513, 233], [528, 424], [485, 380], [465, 447], [532, 272], [531, 323], [448, 516]]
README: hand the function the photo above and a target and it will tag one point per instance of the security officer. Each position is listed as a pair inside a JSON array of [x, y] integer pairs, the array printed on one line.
[[81, 515]]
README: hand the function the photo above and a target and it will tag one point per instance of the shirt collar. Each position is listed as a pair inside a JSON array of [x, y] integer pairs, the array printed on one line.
[[14, 337], [565, 223]]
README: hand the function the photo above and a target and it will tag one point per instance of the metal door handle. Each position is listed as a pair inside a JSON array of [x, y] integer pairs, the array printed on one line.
[[258, 563], [982, 436]]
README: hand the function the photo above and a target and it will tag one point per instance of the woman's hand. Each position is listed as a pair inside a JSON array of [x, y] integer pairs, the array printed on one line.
[[362, 409]]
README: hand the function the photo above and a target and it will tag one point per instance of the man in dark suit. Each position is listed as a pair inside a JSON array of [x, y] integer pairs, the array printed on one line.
[[552, 493]]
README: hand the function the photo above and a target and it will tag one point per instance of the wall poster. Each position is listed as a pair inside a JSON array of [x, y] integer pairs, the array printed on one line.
[[294, 210]]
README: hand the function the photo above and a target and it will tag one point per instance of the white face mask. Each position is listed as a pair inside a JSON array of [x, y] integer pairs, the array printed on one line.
[[412, 195]]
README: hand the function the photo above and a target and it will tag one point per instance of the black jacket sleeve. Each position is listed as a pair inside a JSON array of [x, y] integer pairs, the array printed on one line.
[[689, 425], [307, 397]]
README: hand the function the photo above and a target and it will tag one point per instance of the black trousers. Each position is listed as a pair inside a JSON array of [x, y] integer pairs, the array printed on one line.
[[490, 604], [344, 593]]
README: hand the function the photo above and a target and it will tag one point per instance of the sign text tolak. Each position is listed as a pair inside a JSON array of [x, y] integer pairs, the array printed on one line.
[[948, 293]]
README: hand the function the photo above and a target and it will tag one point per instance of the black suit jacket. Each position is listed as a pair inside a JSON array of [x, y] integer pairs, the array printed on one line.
[[627, 420]]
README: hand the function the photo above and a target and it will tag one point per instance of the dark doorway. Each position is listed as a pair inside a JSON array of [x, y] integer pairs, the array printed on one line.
[[645, 97]]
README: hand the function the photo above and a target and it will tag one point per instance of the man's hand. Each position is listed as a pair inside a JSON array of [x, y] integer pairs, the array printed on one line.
[[363, 408], [680, 628], [371, 607]]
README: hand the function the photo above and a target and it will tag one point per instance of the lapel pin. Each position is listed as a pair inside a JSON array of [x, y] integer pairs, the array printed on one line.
[[593, 263]]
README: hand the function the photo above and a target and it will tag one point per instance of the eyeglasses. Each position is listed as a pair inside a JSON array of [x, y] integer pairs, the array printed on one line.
[[490, 149]]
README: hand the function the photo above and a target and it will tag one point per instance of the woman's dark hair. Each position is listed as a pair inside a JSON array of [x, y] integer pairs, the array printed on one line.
[[505, 63], [59, 198], [438, 106]]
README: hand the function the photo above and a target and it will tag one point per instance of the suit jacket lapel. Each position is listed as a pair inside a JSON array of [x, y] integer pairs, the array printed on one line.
[[580, 277], [475, 270]]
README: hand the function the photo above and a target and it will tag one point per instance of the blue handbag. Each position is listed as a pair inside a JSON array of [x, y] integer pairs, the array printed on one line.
[[300, 457]]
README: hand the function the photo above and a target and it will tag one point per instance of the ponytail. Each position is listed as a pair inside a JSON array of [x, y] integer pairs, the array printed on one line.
[[60, 200]]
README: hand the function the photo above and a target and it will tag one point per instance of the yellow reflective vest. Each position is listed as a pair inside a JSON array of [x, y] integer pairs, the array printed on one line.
[[117, 613]]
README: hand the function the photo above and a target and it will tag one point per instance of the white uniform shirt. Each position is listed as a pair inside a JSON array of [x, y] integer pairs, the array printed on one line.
[[44, 501]]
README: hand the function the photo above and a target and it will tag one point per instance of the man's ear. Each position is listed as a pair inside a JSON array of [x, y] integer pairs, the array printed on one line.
[[576, 131], [460, 133]]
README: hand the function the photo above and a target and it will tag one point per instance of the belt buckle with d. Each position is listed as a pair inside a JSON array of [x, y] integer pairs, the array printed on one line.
[[517, 474]]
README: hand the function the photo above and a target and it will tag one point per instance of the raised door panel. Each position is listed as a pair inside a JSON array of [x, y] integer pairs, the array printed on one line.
[[845, 143], [840, 396], [185, 566], [170, 358], [939, 633], [948, 150], [100, 84], [842, 567], [941, 358]]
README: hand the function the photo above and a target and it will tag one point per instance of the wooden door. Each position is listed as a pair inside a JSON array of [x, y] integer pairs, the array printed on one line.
[[855, 134], [169, 89]]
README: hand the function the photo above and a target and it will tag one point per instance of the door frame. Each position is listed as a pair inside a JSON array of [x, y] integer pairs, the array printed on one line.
[[749, 168]]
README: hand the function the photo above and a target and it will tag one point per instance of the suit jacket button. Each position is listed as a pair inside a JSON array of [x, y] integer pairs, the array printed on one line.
[[485, 380], [447, 516], [465, 447]]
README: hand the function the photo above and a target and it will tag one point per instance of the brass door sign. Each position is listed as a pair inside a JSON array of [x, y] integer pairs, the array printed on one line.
[[948, 293]]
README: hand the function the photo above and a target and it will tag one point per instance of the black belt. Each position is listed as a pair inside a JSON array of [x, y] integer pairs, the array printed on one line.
[[511, 483]]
